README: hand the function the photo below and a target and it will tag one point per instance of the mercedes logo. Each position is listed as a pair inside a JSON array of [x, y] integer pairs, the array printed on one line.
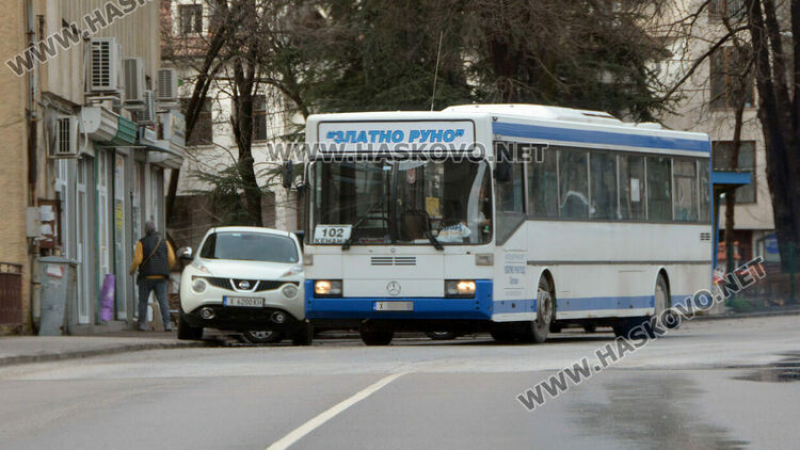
[[393, 288], [244, 284]]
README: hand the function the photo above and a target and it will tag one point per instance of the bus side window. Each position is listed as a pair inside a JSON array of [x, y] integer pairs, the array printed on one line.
[[604, 186], [632, 187], [704, 192], [685, 181], [509, 178], [659, 189], [574, 183], [543, 185]]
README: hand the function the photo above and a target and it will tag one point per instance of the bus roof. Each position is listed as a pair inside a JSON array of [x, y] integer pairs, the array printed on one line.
[[548, 124]]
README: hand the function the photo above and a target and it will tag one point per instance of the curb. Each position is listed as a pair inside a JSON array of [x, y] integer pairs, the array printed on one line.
[[48, 357], [752, 315]]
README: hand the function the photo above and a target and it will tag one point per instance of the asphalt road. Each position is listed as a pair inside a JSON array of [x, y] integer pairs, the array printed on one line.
[[710, 385]]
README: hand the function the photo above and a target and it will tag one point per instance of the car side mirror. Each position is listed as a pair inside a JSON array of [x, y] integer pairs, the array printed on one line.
[[185, 254]]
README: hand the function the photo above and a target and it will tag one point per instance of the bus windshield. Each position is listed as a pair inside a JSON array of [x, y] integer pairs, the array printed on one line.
[[384, 201]]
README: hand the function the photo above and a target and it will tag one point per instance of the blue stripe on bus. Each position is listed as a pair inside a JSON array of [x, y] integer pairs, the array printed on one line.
[[514, 306], [581, 304], [478, 308], [600, 137], [599, 303]]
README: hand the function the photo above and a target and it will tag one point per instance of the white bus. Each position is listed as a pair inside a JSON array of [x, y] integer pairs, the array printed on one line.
[[513, 219]]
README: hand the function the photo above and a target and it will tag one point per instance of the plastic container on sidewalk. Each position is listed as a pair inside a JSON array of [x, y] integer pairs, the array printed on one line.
[[58, 280], [107, 299]]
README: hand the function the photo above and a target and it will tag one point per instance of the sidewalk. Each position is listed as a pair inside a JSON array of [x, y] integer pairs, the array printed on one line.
[[792, 310], [28, 349]]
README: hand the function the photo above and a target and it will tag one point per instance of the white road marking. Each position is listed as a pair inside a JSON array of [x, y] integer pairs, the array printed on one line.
[[316, 422]]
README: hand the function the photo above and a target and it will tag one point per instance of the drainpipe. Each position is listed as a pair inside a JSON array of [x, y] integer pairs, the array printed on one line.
[[32, 94], [32, 119]]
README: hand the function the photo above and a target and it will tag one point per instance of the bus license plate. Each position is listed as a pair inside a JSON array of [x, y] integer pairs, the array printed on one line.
[[247, 302], [393, 306]]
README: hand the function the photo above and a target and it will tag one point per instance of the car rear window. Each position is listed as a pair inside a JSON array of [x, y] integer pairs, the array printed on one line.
[[243, 246]]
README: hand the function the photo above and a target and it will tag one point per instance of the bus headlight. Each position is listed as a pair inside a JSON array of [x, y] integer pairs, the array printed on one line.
[[199, 285], [459, 288], [328, 288], [289, 291]]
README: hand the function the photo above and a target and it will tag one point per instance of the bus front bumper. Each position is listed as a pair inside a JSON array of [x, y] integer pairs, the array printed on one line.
[[427, 308]]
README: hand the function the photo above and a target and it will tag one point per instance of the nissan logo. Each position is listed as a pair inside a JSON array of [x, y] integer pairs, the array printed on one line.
[[393, 288], [244, 284]]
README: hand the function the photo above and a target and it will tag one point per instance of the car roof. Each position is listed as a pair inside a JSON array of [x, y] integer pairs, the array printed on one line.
[[262, 230]]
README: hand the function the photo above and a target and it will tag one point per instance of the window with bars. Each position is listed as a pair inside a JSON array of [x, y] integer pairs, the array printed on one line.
[[260, 118], [732, 9], [729, 78], [191, 19], [203, 131]]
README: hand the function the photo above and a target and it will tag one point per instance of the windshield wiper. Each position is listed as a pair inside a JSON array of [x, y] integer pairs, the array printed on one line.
[[435, 242], [349, 242]]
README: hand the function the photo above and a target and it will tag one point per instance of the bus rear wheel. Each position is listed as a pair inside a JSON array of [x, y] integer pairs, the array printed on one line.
[[624, 327], [373, 336], [537, 331]]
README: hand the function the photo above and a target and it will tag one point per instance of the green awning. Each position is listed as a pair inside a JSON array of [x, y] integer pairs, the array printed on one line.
[[126, 132]]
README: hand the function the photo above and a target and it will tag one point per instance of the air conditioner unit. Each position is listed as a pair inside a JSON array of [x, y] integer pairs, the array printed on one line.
[[148, 115], [167, 86], [104, 70], [65, 139], [135, 77]]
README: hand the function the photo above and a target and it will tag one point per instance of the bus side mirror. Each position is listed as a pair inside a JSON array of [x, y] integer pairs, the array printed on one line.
[[503, 171]]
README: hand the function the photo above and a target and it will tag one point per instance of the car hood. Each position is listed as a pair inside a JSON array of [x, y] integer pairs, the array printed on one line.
[[252, 270]]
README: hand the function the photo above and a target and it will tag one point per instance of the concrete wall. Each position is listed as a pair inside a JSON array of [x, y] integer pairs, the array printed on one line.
[[138, 34], [14, 148]]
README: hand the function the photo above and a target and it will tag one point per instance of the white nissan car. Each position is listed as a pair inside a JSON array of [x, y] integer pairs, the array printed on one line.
[[245, 279]]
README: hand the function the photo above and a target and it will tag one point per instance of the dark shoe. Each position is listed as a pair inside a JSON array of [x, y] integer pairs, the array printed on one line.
[[141, 327], [168, 328]]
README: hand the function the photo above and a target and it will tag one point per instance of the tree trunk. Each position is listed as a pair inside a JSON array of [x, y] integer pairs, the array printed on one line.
[[780, 131], [741, 85], [244, 92], [205, 77]]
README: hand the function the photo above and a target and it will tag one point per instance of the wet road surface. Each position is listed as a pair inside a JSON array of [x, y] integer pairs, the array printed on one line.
[[729, 384]]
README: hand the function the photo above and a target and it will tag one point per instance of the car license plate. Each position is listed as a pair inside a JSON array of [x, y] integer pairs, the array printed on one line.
[[393, 306], [247, 302]]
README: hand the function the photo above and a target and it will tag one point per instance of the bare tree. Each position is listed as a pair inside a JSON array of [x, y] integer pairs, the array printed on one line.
[[771, 29]]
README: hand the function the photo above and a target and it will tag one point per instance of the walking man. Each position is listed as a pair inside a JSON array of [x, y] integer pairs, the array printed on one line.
[[154, 258]]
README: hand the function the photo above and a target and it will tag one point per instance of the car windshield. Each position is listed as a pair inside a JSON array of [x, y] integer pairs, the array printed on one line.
[[244, 246], [401, 202]]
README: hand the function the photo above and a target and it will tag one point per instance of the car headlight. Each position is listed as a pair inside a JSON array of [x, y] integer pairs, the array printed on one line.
[[294, 270], [459, 288], [199, 285], [199, 266], [328, 288], [290, 291]]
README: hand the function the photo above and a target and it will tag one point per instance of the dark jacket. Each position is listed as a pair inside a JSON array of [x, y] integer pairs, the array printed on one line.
[[158, 264]]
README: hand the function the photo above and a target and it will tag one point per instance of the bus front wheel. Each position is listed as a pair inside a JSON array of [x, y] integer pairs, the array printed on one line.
[[536, 332], [373, 336]]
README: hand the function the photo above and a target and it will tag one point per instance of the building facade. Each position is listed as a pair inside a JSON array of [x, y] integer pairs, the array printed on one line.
[[187, 27], [87, 154], [708, 104]]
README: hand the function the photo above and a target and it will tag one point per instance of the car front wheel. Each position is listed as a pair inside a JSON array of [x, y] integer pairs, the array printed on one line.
[[187, 332], [263, 336]]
